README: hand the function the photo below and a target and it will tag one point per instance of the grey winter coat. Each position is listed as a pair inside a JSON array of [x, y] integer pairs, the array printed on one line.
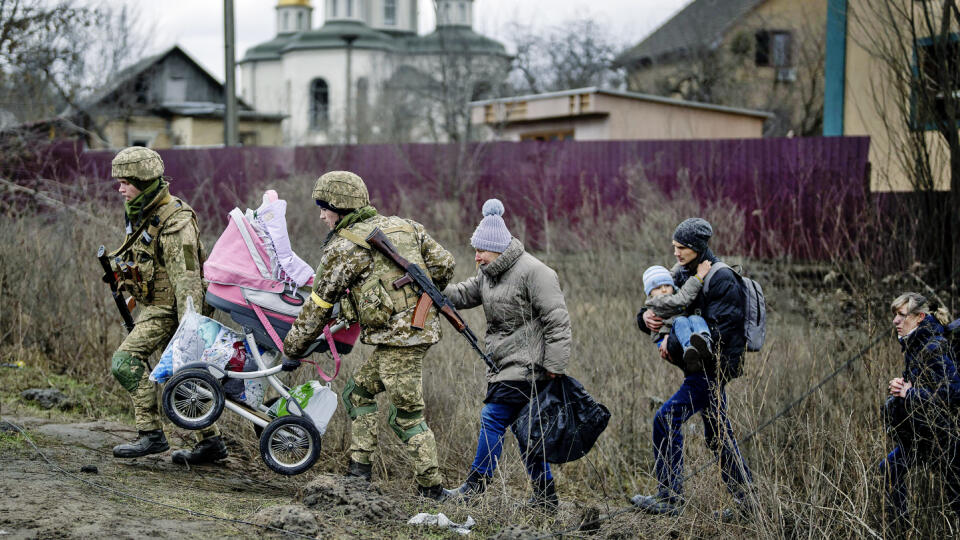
[[668, 306], [528, 326]]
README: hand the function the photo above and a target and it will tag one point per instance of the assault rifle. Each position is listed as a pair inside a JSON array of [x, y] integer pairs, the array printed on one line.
[[430, 295], [110, 278]]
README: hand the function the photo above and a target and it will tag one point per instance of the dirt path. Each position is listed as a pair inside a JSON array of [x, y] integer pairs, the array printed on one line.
[[39, 501]]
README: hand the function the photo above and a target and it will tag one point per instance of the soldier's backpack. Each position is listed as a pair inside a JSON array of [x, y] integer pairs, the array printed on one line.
[[755, 310]]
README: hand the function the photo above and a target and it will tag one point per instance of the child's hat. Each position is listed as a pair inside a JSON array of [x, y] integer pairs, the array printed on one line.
[[654, 277]]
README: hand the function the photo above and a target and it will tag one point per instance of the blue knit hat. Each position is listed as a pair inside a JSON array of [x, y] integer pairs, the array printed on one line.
[[491, 233], [656, 276]]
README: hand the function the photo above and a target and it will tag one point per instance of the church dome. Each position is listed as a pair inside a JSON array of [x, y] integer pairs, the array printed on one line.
[[299, 3], [455, 39], [334, 35]]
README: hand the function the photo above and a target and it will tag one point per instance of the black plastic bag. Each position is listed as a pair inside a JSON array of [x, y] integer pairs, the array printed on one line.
[[562, 422]]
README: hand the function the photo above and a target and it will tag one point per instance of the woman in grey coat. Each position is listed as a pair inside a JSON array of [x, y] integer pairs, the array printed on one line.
[[528, 337]]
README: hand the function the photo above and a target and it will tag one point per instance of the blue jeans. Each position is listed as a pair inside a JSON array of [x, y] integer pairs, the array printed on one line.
[[684, 327], [697, 394], [495, 418]]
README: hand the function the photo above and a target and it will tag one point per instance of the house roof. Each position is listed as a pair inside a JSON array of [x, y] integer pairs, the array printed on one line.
[[130, 72], [628, 95], [701, 24]]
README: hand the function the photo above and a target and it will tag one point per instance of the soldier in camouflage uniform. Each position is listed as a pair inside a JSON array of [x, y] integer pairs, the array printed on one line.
[[161, 267], [349, 263]]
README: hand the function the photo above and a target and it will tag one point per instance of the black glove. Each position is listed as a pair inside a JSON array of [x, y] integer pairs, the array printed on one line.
[[289, 364]]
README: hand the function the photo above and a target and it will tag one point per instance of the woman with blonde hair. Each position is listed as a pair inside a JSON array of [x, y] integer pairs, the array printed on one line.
[[919, 413]]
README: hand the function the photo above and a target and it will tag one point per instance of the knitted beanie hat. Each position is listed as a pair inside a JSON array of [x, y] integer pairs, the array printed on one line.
[[654, 277], [491, 233], [694, 233]]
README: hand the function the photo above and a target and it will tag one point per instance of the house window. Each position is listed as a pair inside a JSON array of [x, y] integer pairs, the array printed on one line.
[[390, 12], [543, 136], [936, 80], [319, 104], [773, 48]]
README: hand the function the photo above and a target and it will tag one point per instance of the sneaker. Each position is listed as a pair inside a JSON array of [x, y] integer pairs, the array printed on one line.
[[206, 451], [147, 442], [659, 504], [359, 470], [436, 493], [702, 345], [472, 487]]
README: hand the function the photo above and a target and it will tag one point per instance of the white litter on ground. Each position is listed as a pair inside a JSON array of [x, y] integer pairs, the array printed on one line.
[[440, 520]]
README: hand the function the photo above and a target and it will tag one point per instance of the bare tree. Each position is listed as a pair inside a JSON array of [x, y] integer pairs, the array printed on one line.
[[574, 54], [916, 94]]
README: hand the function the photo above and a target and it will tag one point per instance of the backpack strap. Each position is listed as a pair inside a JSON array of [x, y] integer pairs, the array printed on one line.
[[354, 237], [713, 270]]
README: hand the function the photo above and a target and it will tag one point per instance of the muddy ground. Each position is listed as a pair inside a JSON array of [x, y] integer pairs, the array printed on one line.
[[83, 492]]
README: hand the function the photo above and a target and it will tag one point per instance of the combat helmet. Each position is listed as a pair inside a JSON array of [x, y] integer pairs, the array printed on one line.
[[341, 190], [137, 164]]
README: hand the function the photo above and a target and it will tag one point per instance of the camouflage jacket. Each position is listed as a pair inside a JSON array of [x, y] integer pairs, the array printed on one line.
[[163, 259], [347, 263]]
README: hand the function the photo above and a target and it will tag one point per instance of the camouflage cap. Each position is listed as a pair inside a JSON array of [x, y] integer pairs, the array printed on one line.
[[137, 164], [343, 190]]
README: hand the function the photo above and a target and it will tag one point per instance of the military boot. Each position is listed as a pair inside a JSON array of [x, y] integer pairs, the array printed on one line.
[[544, 496], [359, 470], [474, 486], [148, 442], [437, 493], [206, 451]]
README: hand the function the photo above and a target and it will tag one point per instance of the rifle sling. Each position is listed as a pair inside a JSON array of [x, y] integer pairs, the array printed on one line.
[[143, 225]]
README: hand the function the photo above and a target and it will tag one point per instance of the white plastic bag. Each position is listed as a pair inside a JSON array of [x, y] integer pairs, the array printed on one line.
[[197, 339], [316, 399]]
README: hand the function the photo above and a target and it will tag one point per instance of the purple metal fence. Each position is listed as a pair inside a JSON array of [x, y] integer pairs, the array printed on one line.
[[797, 195]]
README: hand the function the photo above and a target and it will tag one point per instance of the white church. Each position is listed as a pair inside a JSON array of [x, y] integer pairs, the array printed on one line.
[[366, 75]]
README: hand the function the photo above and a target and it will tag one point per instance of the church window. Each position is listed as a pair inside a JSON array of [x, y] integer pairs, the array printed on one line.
[[286, 21], [349, 8], [319, 104], [333, 8], [390, 12], [300, 25], [463, 12]]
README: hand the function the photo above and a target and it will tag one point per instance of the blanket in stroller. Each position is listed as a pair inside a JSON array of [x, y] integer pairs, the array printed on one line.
[[257, 279]]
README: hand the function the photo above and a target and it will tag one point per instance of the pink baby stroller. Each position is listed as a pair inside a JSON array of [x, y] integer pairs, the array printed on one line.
[[256, 278]]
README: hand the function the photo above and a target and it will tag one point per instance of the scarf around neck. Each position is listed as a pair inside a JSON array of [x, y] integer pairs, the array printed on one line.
[[134, 208]]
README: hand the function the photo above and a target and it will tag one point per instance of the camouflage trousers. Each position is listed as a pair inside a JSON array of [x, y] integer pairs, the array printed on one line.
[[398, 371], [131, 369]]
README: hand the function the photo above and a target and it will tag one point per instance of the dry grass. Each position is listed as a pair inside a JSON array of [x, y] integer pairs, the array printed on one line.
[[814, 468]]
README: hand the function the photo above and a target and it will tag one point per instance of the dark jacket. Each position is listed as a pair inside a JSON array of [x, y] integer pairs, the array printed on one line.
[[721, 306], [930, 367]]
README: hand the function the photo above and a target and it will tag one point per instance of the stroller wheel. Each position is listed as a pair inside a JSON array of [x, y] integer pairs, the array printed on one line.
[[290, 445], [193, 399]]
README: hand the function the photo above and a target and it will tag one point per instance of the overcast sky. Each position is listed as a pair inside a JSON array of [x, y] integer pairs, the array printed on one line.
[[196, 25]]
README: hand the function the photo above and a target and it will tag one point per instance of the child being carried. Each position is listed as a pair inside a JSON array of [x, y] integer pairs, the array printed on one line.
[[666, 302]]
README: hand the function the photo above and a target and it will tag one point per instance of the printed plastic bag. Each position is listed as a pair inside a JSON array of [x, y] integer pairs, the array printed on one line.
[[318, 400], [197, 339]]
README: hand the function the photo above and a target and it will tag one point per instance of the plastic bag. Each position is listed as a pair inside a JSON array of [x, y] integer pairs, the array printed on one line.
[[197, 339], [249, 391], [562, 423], [318, 400]]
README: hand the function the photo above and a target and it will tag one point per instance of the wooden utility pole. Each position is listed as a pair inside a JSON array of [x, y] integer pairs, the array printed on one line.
[[230, 113]]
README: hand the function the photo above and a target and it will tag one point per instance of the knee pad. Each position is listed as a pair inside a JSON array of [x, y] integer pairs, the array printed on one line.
[[354, 411], [127, 369], [406, 434]]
